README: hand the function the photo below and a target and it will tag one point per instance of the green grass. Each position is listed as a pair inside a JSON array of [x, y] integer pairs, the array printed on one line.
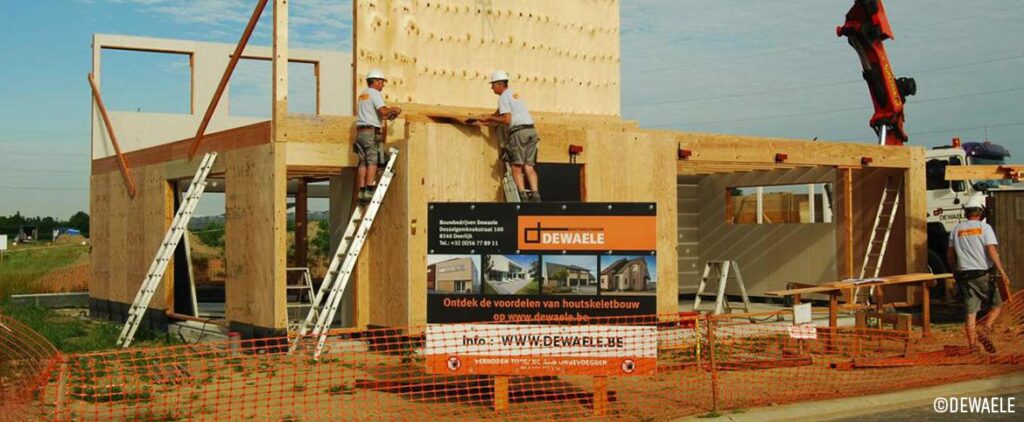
[[21, 269], [488, 290], [530, 288], [71, 334]]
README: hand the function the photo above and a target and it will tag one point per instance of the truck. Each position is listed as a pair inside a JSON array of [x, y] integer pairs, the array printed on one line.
[[945, 197]]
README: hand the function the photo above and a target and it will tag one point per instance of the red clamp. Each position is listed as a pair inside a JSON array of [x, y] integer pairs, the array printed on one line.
[[685, 154], [781, 157], [574, 150], [865, 161]]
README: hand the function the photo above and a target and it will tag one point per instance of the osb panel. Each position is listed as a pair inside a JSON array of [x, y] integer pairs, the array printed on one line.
[[388, 251], [255, 269], [563, 56], [99, 235]]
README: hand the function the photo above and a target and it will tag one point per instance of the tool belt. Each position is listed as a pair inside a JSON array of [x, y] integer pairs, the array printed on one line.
[[971, 274], [362, 128], [517, 128]]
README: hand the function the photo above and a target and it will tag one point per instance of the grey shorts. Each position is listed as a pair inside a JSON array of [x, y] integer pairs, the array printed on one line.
[[521, 147], [978, 292], [368, 148]]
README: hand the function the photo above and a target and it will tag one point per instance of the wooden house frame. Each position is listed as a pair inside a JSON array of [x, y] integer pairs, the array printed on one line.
[[443, 160]]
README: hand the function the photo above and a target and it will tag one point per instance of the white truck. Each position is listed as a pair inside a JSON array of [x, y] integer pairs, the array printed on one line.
[[945, 198]]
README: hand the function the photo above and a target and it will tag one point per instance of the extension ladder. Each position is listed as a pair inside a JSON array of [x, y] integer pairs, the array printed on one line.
[[343, 263], [509, 184], [302, 290], [722, 270], [885, 216], [179, 225]]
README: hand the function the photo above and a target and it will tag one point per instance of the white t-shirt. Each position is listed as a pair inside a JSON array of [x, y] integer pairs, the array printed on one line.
[[969, 240], [370, 100], [513, 103]]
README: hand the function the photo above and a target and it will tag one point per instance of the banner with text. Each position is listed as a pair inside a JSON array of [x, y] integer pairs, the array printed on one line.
[[500, 349], [540, 262]]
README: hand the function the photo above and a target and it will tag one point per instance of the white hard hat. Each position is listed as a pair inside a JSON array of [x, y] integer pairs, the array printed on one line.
[[975, 201], [499, 75], [375, 74]]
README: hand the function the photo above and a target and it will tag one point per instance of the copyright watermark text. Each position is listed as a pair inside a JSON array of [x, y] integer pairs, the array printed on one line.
[[974, 405]]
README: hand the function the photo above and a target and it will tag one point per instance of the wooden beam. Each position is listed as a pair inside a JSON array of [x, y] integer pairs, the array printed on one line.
[[239, 48], [122, 162], [993, 172], [843, 197], [239, 137], [301, 209], [279, 108]]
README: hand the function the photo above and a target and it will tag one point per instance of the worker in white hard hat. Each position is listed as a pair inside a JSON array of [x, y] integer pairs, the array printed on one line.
[[974, 257], [520, 149], [370, 112]]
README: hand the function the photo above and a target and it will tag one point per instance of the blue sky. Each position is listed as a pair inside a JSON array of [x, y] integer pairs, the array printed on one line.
[[728, 66]]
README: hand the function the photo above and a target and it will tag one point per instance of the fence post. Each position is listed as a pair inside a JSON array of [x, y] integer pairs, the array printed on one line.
[[600, 395], [500, 393], [62, 387], [711, 359]]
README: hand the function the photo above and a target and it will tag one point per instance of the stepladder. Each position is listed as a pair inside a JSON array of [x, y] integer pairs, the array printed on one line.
[[300, 292], [327, 299], [878, 241], [722, 271], [164, 254]]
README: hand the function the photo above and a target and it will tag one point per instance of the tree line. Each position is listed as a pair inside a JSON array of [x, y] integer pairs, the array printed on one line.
[[10, 225]]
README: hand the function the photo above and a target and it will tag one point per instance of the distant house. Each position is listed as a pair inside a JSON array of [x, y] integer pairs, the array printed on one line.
[[27, 234], [626, 275], [456, 275], [503, 269], [568, 276]]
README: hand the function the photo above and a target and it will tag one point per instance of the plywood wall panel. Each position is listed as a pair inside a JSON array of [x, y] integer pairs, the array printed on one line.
[[99, 236], [563, 56]]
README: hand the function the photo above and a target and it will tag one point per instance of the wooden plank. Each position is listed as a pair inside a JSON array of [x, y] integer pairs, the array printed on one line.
[[223, 84], [886, 281], [982, 172], [279, 108], [916, 220], [240, 137], [720, 148], [122, 162]]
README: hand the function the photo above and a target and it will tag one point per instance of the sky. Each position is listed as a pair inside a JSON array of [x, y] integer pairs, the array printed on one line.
[[763, 68]]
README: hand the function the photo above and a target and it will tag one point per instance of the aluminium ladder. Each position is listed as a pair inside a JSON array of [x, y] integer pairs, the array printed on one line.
[[509, 184], [179, 225], [722, 272], [303, 290], [885, 216], [343, 263]]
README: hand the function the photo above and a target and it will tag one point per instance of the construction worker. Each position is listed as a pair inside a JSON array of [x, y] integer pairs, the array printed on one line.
[[973, 255], [370, 112], [520, 149]]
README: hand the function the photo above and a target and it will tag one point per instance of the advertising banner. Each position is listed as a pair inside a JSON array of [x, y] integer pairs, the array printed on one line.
[[540, 262], [500, 349]]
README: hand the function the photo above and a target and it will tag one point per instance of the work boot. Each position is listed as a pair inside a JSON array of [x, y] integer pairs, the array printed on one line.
[[524, 196], [369, 193], [363, 197], [986, 343], [536, 196]]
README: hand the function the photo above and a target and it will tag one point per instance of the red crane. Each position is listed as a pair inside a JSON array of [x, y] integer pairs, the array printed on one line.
[[865, 28]]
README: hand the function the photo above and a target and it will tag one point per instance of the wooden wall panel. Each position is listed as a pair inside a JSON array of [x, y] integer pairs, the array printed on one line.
[[1007, 219], [99, 236], [689, 203], [563, 56], [388, 251], [769, 255], [254, 202]]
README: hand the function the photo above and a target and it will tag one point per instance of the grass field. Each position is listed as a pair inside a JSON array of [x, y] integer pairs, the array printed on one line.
[[44, 268], [23, 268]]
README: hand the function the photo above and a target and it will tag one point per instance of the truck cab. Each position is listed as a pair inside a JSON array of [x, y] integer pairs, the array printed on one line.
[[945, 198]]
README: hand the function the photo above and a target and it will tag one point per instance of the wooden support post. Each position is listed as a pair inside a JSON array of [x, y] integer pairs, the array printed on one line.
[[926, 309], [712, 363], [833, 318], [600, 396], [844, 218], [500, 393], [301, 211], [239, 48], [122, 162]]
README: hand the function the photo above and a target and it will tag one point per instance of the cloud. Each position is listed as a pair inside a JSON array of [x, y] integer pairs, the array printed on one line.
[[315, 24]]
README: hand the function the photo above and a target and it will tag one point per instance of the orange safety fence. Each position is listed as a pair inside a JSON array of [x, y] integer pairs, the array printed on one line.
[[641, 368], [27, 361]]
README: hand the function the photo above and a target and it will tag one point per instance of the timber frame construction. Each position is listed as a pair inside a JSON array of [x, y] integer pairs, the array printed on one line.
[[264, 163]]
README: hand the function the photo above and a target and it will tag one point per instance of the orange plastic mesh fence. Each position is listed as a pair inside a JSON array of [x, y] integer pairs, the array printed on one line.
[[702, 364], [27, 360]]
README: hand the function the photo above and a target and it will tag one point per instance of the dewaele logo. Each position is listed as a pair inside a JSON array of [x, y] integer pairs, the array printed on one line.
[[587, 233]]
